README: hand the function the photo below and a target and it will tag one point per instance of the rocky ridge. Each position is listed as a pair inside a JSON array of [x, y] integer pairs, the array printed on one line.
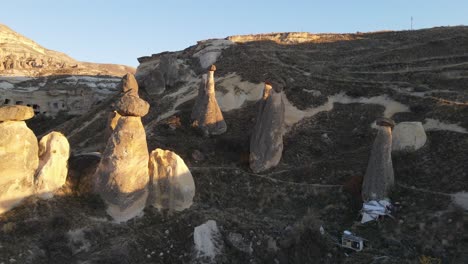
[[50, 81]]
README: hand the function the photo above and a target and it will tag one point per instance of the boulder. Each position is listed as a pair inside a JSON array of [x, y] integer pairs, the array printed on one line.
[[51, 174], [122, 175], [266, 141], [206, 112], [408, 136], [208, 241], [16, 113], [18, 163], [130, 105], [129, 85], [171, 183], [379, 177]]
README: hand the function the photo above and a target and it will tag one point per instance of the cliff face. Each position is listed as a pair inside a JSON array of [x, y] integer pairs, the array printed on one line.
[[51, 81]]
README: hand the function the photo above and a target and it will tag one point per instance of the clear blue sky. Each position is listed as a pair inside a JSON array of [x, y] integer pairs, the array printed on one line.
[[120, 31]]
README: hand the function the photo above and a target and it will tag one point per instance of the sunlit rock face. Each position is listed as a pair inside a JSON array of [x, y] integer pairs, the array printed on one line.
[[54, 151], [206, 114], [18, 163], [266, 141], [171, 185], [15, 113], [408, 136], [379, 177], [122, 175]]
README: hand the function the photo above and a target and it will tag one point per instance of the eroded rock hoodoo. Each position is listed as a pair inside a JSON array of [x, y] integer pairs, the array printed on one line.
[[206, 114], [122, 175], [379, 177], [54, 151], [128, 86], [18, 156], [266, 141], [171, 183]]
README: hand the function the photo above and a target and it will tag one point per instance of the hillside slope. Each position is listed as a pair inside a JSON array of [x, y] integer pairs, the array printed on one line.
[[335, 86], [51, 81]]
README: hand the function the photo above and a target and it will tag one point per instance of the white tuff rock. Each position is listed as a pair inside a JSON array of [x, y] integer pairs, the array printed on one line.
[[171, 183], [54, 151], [208, 241], [408, 136], [18, 163]]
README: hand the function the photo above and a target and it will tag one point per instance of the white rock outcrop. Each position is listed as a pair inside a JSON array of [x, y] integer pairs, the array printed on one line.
[[18, 163], [266, 141], [208, 240], [171, 183], [54, 151], [408, 136]]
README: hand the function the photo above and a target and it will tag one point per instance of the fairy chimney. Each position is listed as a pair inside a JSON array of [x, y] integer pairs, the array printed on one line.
[[266, 141], [122, 175], [379, 177], [206, 114]]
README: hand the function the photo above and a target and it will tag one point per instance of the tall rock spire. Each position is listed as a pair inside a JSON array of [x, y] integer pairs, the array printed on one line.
[[266, 141], [379, 176], [206, 114]]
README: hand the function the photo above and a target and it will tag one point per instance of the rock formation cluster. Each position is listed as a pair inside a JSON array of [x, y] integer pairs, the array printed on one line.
[[124, 172], [206, 114], [266, 141], [379, 177], [27, 168]]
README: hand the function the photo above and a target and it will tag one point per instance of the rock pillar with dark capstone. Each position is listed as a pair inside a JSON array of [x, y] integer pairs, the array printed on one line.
[[18, 156], [266, 141], [206, 114], [122, 175], [379, 177], [129, 87]]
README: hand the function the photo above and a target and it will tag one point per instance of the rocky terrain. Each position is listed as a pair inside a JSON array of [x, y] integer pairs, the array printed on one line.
[[334, 88], [51, 81]]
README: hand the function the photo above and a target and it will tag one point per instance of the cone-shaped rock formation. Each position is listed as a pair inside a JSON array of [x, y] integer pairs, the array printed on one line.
[[171, 185], [54, 151], [122, 175], [266, 141], [379, 177], [206, 114], [18, 157]]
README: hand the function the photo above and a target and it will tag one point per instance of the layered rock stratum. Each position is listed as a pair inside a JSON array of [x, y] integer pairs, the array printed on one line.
[[51, 81]]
